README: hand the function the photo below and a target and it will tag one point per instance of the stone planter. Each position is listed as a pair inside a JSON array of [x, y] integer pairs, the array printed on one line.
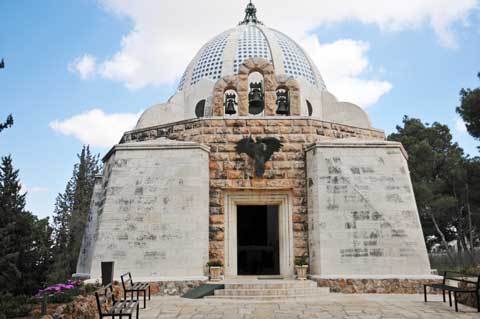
[[301, 272], [215, 273]]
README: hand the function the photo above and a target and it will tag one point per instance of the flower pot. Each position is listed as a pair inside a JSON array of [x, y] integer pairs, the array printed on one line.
[[215, 273], [301, 272]]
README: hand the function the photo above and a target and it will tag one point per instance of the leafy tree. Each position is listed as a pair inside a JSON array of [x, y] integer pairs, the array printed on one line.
[[469, 110], [71, 213], [25, 241], [7, 123], [442, 177]]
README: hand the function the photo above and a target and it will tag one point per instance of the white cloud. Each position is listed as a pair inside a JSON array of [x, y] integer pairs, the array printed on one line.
[[460, 125], [84, 66], [342, 64], [96, 128], [166, 34]]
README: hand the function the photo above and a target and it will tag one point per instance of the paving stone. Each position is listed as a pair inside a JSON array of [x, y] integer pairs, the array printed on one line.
[[333, 306]]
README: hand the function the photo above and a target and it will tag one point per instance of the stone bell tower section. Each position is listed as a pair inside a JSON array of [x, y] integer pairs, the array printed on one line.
[[363, 219], [150, 212]]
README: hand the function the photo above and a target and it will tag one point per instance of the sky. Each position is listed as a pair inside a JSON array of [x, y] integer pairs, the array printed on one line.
[[81, 72]]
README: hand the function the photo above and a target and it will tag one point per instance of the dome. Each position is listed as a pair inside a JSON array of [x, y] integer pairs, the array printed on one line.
[[249, 71], [223, 55]]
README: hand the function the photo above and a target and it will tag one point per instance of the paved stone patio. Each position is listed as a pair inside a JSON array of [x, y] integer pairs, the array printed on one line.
[[360, 306]]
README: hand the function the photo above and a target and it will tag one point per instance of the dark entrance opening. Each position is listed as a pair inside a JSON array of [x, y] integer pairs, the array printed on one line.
[[107, 272], [257, 240]]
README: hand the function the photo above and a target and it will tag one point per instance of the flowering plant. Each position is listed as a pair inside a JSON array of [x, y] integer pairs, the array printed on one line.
[[60, 292]]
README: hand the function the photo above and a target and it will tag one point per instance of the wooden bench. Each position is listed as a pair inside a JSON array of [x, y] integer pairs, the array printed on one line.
[[109, 307], [448, 275], [130, 286]]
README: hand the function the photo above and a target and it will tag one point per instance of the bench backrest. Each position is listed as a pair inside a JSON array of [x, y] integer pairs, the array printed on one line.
[[127, 281], [450, 275], [106, 299]]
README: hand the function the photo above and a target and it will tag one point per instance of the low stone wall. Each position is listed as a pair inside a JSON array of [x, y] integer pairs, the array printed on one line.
[[174, 288], [85, 307], [467, 299], [377, 286]]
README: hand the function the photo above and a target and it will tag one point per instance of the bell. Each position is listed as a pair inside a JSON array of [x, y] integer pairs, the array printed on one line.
[[283, 103], [255, 98], [230, 103]]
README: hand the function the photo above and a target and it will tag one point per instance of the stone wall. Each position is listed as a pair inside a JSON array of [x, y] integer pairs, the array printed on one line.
[[84, 263], [230, 171], [468, 299], [153, 212], [377, 286], [363, 217], [175, 288], [239, 83]]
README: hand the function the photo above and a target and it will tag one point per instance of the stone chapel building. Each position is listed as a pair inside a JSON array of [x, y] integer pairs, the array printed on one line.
[[176, 192]]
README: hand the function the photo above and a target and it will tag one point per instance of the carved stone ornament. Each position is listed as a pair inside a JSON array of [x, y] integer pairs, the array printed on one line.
[[260, 150]]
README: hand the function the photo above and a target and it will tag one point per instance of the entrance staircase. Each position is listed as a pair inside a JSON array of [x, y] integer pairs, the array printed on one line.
[[269, 290]]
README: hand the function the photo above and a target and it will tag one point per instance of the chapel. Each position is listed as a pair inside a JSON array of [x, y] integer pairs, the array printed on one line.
[[253, 162]]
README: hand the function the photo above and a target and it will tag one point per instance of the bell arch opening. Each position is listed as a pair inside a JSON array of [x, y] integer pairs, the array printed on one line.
[[282, 100], [230, 101], [256, 93]]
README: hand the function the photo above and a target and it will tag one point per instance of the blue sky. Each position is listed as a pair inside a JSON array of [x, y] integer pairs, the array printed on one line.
[[414, 63]]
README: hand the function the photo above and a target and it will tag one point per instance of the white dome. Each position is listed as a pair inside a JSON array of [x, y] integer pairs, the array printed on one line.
[[222, 58], [223, 55]]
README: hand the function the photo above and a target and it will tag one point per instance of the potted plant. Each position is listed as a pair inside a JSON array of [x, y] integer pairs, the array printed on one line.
[[215, 267], [301, 267]]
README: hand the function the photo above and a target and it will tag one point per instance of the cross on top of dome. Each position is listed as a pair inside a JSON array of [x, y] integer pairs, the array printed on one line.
[[250, 14]]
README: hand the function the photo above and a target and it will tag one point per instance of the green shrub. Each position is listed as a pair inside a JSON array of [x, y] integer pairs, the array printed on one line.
[[301, 261], [215, 263], [15, 306]]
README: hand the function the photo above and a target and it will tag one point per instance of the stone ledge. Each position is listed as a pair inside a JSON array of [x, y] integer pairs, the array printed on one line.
[[400, 285], [378, 277], [177, 288], [357, 143], [291, 119], [156, 144], [157, 279]]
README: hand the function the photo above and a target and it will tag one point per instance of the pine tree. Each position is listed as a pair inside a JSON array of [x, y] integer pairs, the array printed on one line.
[[71, 213], [12, 204], [444, 181], [25, 241], [7, 123], [469, 110]]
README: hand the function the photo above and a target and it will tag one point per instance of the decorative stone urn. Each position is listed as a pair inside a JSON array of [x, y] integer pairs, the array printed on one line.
[[301, 272], [301, 267], [215, 270]]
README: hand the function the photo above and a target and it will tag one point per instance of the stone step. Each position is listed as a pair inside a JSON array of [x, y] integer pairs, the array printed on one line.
[[269, 297], [271, 292], [281, 284]]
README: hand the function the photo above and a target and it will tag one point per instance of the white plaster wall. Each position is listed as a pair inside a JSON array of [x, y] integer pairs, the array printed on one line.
[[363, 218], [343, 112], [312, 94], [200, 91], [164, 113], [154, 220]]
